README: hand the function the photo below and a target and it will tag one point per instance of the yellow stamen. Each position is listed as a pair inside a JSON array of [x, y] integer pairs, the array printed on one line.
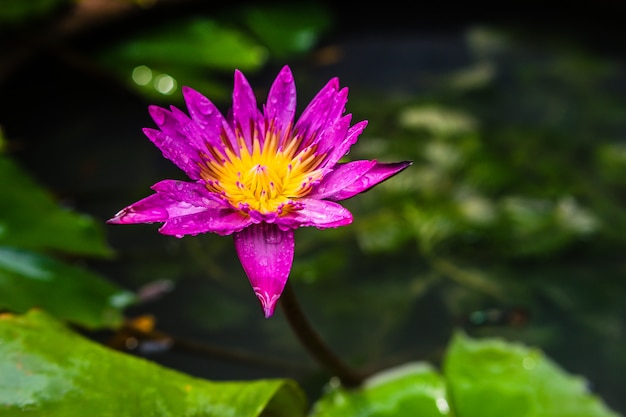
[[265, 179]]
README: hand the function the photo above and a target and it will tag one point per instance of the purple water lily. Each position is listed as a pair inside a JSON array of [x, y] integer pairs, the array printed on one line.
[[258, 175]]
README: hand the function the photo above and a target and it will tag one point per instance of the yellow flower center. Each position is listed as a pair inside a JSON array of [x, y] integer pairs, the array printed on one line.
[[266, 178]]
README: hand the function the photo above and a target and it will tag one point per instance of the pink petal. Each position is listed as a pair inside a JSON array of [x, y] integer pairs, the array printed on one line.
[[211, 220], [193, 193], [205, 114], [172, 199], [266, 254], [333, 136], [322, 111], [176, 150], [342, 148], [318, 213], [154, 208], [244, 110], [342, 176], [281, 101], [379, 173]]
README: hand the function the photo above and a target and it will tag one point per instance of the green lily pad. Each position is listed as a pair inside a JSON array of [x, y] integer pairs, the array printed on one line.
[[48, 370], [28, 280], [31, 218], [494, 378], [414, 389]]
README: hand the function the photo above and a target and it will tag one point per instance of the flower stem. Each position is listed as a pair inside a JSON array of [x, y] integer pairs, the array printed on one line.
[[313, 343]]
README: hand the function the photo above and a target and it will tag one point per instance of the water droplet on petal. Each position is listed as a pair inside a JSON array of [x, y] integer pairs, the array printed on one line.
[[272, 235]]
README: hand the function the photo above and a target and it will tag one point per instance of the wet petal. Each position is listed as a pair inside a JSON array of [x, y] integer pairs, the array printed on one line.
[[207, 115], [318, 213], [333, 136], [342, 176], [379, 173], [266, 254], [244, 110], [321, 112], [176, 150], [172, 199], [194, 193], [221, 221], [342, 148], [154, 208], [281, 101]]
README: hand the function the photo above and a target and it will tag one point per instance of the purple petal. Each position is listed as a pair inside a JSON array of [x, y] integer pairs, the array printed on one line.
[[221, 221], [193, 193], [324, 110], [177, 150], [281, 101], [244, 110], [342, 176], [172, 199], [318, 213], [148, 210], [379, 173], [342, 148], [334, 135], [205, 114], [266, 254]]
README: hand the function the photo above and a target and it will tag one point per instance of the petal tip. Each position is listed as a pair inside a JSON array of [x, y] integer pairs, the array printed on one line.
[[268, 302]]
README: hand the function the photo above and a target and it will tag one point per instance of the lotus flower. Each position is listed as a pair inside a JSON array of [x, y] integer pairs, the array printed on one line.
[[257, 175]]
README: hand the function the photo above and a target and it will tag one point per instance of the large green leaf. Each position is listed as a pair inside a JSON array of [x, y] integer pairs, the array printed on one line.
[[47, 370], [415, 389], [493, 378], [70, 293], [31, 218]]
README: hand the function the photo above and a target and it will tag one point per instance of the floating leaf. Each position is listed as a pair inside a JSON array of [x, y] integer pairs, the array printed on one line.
[[70, 293], [31, 218], [414, 389], [47, 370], [493, 378]]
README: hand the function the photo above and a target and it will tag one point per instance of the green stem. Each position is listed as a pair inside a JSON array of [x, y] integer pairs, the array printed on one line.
[[313, 343]]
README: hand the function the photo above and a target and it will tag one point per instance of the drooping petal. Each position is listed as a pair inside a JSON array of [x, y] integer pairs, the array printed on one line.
[[266, 254], [180, 152], [281, 101], [211, 220], [244, 110], [318, 213], [342, 176], [379, 173]]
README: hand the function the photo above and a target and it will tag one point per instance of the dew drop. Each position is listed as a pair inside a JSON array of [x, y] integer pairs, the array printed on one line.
[[273, 236]]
